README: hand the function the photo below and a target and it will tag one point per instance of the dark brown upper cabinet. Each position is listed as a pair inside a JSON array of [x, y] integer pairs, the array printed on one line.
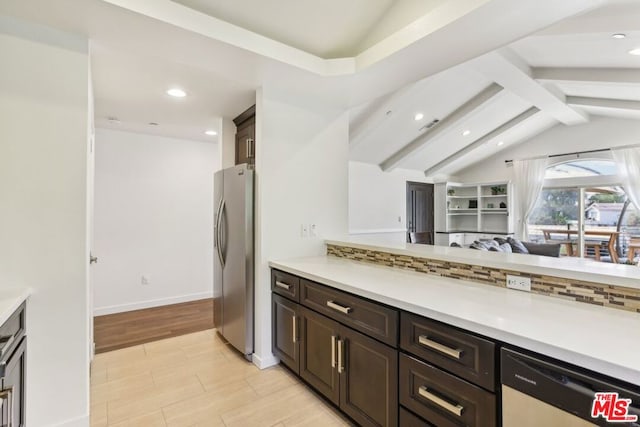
[[246, 137]]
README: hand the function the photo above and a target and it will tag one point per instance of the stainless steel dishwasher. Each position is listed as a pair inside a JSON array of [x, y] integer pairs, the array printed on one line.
[[537, 393]]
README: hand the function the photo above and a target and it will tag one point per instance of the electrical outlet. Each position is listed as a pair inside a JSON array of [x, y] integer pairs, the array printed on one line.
[[313, 230], [144, 280], [304, 230], [519, 283]]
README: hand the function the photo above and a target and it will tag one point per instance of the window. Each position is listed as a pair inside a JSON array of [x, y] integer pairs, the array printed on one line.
[[580, 195]]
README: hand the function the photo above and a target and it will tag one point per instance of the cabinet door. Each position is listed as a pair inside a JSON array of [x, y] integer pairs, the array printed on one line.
[[13, 388], [285, 334], [245, 151], [368, 379], [318, 365]]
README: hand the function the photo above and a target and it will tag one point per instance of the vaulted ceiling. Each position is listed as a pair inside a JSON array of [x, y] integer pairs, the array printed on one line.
[[560, 76], [376, 56]]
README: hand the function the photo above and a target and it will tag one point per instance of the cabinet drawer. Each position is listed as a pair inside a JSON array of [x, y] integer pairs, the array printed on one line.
[[444, 399], [11, 332], [466, 355], [407, 419], [285, 284], [374, 320]]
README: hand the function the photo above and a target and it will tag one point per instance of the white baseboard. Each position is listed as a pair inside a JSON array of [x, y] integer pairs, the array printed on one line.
[[264, 362], [82, 421], [101, 311]]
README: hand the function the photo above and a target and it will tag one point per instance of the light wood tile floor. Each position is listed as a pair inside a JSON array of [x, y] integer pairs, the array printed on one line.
[[198, 380]]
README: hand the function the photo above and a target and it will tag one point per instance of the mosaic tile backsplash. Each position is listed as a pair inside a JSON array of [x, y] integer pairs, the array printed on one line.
[[612, 296]]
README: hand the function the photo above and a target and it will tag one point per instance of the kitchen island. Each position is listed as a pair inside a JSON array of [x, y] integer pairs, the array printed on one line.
[[600, 339]]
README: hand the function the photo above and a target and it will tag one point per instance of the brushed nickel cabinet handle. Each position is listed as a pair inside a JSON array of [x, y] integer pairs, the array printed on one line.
[[250, 153], [283, 285], [295, 332], [454, 409], [453, 352], [333, 351], [340, 356], [338, 307]]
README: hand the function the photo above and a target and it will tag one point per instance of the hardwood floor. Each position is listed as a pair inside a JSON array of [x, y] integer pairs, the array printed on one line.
[[199, 380], [116, 331]]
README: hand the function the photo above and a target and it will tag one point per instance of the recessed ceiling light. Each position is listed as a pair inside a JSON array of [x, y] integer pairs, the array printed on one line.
[[500, 143], [619, 35], [418, 116], [635, 51], [113, 120], [176, 92], [153, 124], [466, 132], [211, 133]]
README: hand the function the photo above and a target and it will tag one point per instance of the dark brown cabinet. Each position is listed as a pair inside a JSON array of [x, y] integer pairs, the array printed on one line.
[[319, 354], [454, 383], [354, 371], [466, 355], [246, 136], [357, 373], [444, 399], [368, 373], [13, 345], [346, 347], [285, 332]]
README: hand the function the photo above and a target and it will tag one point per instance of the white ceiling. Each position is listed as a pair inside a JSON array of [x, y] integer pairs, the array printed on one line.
[[562, 75], [328, 29], [222, 51], [129, 87]]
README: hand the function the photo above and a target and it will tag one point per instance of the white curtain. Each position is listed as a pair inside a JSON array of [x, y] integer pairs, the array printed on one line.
[[528, 180], [628, 164]]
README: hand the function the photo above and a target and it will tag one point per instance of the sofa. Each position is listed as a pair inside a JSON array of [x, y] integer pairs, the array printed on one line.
[[512, 245]]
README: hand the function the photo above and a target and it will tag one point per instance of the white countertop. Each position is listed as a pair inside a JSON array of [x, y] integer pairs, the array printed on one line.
[[566, 267], [601, 339], [10, 300]]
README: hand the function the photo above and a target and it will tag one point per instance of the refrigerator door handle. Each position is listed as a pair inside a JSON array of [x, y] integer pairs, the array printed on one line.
[[215, 226], [218, 233]]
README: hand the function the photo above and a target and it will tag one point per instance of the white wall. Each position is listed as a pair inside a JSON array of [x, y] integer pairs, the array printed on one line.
[[153, 218], [227, 138], [599, 132], [301, 177], [377, 199], [43, 214]]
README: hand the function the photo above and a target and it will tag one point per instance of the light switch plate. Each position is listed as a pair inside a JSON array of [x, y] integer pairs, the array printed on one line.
[[304, 230], [519, 283]]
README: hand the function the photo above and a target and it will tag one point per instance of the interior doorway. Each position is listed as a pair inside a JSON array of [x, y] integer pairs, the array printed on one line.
[[419, 209]]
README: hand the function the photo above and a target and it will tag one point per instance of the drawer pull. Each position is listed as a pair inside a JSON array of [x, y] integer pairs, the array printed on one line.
[[295, 332], [333, 351], [283, 285], [454, 409], [453, 352], [338, 307]]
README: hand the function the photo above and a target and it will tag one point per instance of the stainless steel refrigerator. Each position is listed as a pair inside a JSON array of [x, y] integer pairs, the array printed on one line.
[[233, 281]]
